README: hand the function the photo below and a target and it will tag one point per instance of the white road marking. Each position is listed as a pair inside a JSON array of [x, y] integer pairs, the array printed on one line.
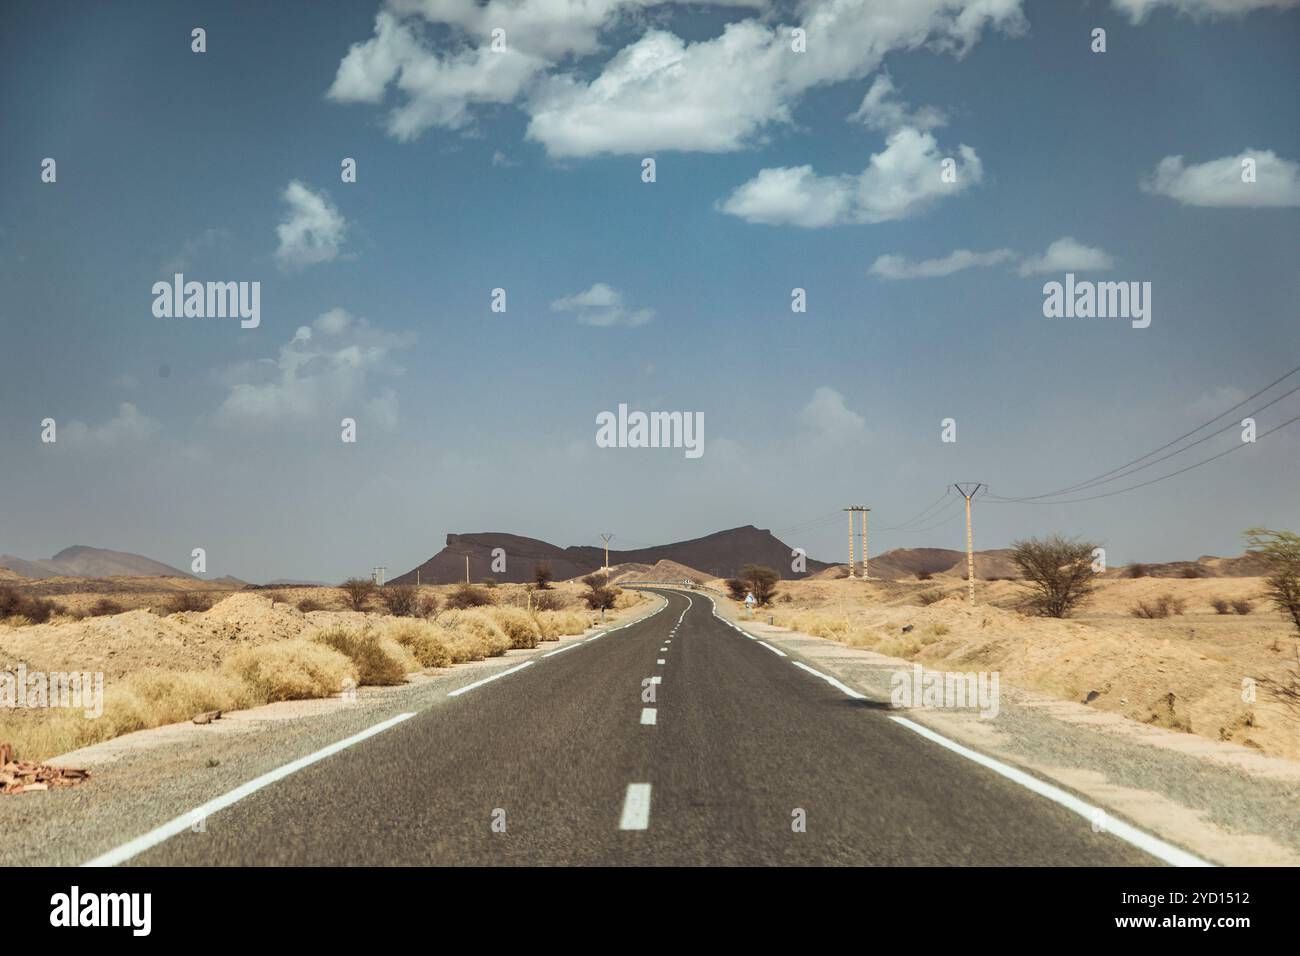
[[487, 680], [636, 808], [561, 650], [669, 641], [182, 823], [656, 680], [663, 650], [649, 715], [661, 661], [831, 680], [773, 649], [1165, 852]]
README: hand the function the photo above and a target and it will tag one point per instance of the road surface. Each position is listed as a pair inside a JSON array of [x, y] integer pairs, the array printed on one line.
[[562, 761]]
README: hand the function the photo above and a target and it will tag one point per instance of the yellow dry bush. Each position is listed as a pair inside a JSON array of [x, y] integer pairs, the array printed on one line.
[[517, 624], [557, 624], [430, 644], [479, 634], [378, 659], [292, 670]]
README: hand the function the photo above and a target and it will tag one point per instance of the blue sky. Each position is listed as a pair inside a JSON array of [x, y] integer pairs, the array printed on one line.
[[522, 170]]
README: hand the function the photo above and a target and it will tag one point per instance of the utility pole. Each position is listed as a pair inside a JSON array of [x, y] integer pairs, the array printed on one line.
[[467, 567], [377, 575], [853, 565], [970, 543], [865, 574], [605, 537]]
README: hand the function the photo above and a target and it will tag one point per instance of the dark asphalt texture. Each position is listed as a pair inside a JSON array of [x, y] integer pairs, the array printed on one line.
[[744, 739]]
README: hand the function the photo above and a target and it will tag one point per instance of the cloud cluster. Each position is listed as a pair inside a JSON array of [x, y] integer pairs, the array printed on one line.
[[312, 231], [1064, 255], [1138, 10], [328, 366], [1220, 182], [900, 181], [602, 306], [659, 92]]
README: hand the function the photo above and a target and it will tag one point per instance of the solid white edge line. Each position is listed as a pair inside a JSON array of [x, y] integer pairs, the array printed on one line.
[[778, 653], [649, 716], [1165, 852], [487, 680], [566, 647], [182, 823], [830, 680], [636, 808]]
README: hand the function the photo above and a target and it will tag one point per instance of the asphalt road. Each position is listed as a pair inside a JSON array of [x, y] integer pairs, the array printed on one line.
[[556, 763]]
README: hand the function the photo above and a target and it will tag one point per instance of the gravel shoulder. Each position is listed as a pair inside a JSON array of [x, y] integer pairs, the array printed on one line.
[[1225, 802], [142, 780]]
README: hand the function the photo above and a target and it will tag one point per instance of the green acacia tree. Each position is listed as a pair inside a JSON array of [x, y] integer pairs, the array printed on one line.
[[1281, 549]]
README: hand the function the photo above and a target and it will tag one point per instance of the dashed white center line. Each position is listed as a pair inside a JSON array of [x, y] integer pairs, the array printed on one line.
[[636, 808], [656, 680], [660, 661], [649, 715]]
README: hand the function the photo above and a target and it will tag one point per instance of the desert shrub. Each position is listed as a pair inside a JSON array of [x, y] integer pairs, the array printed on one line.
[[518, 625], [1242, 606], [1281, 549], [736, 589], [188, 601], [599, 594], [1221, 606], [757, 580], [1162, 606], [402, 600], [926, 598], [467, 596], [428, 607], [476, 625], [378, 660], [1058, 571], [1137, 571], [104, 607], [309, 604], [551, 601], [557, 624], [357, 592], [1192, 571], [542, 576], [19, 609], [292, 670], [430, 644], [277, 597], [923, 575], [488, 582]]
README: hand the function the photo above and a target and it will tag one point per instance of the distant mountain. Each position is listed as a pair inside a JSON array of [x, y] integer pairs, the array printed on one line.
[[721, 554], [80, 561], [906, 563]]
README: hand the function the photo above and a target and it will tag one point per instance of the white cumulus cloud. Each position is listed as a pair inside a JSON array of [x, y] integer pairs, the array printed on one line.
[[1219, 182], [900, 181], [900, 267], [331, 367], [828, 417], [1067, 255], [312, 231], [1138, 10], [603, 306]]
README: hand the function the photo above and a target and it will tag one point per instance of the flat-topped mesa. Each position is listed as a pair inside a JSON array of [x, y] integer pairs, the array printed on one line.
[[511, 558]]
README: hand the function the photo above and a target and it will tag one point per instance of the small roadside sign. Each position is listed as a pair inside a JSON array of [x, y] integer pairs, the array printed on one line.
[[749, 599]]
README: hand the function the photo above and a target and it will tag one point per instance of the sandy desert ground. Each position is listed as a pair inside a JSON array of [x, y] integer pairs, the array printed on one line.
[[1222, 676], [251, 646]]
